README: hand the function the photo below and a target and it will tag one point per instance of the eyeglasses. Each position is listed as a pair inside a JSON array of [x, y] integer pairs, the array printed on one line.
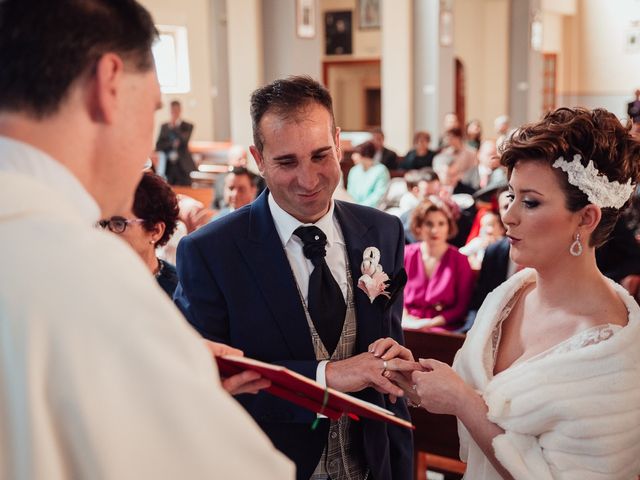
[[118, 224]]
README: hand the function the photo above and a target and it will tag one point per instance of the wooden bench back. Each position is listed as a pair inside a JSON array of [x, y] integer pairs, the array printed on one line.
[[203, 195]]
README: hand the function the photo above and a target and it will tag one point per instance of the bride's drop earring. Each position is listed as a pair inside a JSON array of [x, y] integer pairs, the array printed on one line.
[[576, 247]]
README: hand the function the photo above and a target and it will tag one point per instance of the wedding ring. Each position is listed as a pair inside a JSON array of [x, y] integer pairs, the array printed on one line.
[[415, 405], [384, 366]]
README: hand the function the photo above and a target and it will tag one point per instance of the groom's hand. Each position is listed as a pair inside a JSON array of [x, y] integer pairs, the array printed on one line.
[[359, 372], [366, 370]]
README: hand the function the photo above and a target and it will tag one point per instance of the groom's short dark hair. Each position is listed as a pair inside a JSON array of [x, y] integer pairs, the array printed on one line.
[[287, 98]]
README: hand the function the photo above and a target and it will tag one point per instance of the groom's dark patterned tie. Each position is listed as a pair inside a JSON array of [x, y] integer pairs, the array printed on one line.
[[326, 302]]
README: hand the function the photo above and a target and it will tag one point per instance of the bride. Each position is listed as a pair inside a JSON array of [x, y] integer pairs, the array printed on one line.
[[547, 384]]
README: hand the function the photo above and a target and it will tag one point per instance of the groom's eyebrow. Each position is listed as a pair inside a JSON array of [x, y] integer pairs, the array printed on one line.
[[291, 156]]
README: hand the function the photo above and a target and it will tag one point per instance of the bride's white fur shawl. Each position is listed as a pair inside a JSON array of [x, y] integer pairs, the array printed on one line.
[[566, 415]]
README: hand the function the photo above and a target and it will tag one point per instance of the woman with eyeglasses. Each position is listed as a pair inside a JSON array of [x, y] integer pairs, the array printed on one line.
[[148, 225]]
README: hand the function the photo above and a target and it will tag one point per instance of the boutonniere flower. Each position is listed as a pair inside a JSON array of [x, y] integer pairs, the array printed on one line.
[[373, 281]]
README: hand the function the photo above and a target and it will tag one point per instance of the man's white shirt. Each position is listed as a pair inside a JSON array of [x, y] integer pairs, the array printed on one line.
[[301, 266]]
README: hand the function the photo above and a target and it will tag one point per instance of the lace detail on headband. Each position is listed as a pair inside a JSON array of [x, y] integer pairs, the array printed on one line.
[[598, 188]]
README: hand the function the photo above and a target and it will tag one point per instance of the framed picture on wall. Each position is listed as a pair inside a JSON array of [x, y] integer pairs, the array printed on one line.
[[368, 14], [337, 27], [306, 18]]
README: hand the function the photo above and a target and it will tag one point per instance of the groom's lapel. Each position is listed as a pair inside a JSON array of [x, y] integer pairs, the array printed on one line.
[[358, 236], [267, 260]]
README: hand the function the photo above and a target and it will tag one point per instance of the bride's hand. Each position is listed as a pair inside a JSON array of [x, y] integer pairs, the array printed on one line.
[[439, 388], [395, 357], [388, 348]]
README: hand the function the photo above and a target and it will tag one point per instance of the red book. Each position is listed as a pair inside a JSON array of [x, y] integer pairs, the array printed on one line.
[[305, 392]]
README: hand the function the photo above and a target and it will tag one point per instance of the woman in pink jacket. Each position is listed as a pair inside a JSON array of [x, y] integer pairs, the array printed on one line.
[[440, 280]]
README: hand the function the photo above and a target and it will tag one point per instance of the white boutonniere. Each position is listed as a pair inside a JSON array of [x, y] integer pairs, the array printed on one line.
[[373, 279]]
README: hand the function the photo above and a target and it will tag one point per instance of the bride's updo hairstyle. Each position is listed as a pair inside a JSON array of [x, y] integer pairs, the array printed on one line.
[[595, 135]]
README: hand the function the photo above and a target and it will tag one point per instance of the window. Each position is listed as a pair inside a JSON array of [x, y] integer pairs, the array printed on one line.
[[171, 54]]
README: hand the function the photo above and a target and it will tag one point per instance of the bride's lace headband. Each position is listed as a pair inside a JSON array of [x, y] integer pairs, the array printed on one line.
[[597, 187]]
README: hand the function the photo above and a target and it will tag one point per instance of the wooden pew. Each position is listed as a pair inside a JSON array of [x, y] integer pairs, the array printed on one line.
[[435, 439], [204, 195]]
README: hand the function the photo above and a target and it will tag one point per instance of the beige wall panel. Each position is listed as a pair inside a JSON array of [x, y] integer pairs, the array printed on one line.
[[197, 104]]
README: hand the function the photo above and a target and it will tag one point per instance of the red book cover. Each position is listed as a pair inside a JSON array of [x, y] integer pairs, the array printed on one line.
[[305, 392]]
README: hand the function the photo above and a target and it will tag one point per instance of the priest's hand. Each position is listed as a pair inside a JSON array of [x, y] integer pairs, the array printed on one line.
[[244, 382]]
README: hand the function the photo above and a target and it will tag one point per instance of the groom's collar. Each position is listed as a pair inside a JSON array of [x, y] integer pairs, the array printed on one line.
[[286, 224]]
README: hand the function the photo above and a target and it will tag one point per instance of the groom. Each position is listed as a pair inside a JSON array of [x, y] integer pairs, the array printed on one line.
[[289, 295]]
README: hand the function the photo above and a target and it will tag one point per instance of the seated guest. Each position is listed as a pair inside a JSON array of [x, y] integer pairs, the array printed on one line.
[[491, 230], [420, 156], [383, 155], [465, 156], [420, 184], [440, 280], [236, 158], [449, 121], [367, 181], [148, 225], [488, 171], [503, 129], [473, 134], [240, 188], [446, 167]]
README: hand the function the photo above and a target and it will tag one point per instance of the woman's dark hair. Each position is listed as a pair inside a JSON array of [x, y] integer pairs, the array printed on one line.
[[595, 135], [419, 217], [156, 202], [45, 46], [366, 149]]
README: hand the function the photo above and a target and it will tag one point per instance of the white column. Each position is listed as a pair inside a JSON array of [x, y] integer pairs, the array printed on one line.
[[397, 74], [434, 69], [525, 86], [244, 26]]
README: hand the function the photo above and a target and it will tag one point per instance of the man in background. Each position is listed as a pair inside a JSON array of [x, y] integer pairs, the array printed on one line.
[[173, 142], [502, 127], [465, 156], [240, 188], [100, 376], [383, 155]]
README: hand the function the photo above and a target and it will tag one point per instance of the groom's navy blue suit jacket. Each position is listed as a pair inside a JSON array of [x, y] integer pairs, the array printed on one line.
[[236, 287]]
